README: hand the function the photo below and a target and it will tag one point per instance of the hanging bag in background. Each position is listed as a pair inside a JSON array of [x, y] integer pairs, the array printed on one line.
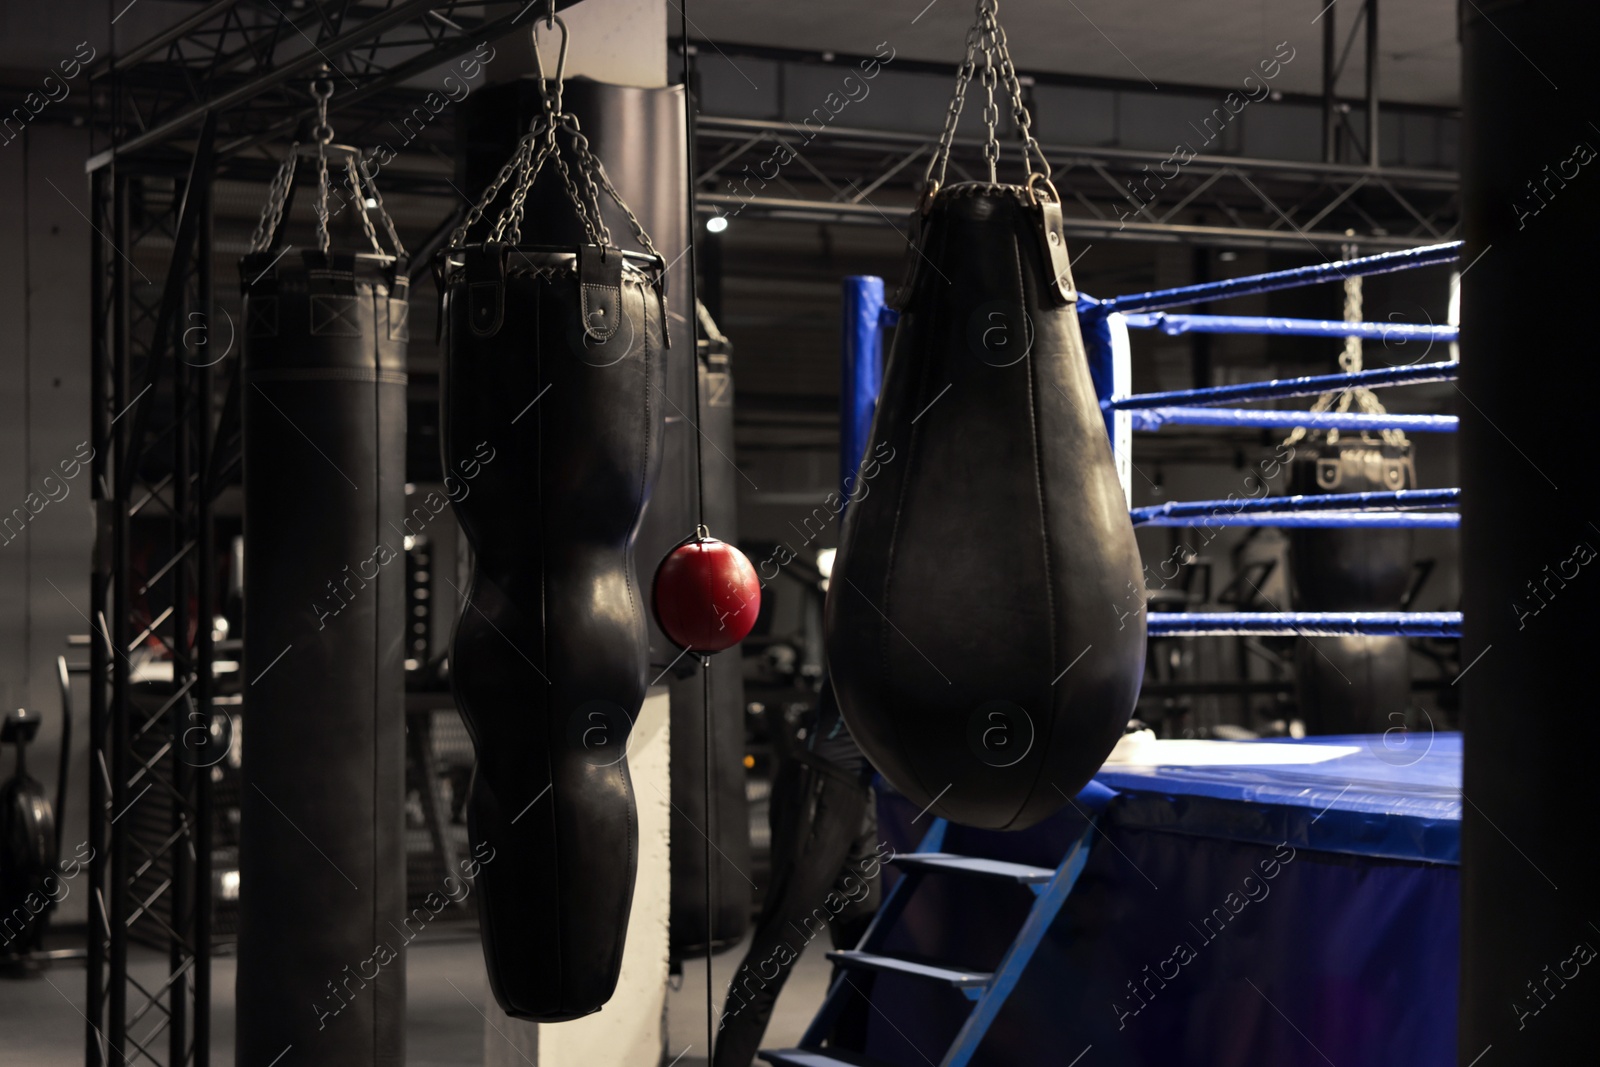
[[551, 385], [978, 629], [323, 408]]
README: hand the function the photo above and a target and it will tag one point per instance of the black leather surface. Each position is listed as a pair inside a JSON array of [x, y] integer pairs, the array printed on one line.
[[321, 856], [639, 134], [549, 657], [987, 561], [1348, 685], [1351, 569]]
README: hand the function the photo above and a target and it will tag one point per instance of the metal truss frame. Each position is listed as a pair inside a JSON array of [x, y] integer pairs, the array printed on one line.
[[251, 65], [150, 796], [840, 174]]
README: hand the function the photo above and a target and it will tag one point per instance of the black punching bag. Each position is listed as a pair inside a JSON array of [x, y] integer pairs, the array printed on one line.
[[551, 385], [972, 629], [639, 133], [1529, 481], [321, 855], [1361, 683]]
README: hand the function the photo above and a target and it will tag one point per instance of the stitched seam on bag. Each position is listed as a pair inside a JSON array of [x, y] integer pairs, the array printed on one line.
[[1044, 526], [602, 335]]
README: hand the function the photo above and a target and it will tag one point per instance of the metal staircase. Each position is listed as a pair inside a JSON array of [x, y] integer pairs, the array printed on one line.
[[988, 991]]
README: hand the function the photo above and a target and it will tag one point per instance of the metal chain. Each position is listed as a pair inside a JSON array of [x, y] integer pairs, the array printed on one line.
[[361, 204], [459, 235], [991, 113], [633, 220], [277, 197], [941, 156], [1350, 362], [522, 164], [986, 36], [383, 212], [592, 225], [322, 89], [541, 145], [587, 165], [1019, 109]]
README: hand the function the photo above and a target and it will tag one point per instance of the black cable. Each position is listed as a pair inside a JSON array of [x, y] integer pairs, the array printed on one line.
[[694, 296], [700, 486], [705, 673]]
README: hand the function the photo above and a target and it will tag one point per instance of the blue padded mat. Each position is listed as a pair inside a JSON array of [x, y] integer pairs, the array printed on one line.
[[1389, 799]]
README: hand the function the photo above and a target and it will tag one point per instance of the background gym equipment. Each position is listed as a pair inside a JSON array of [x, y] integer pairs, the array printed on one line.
[[30, 846], [321, 831], [550, 654], [706, 594], [968, 638]]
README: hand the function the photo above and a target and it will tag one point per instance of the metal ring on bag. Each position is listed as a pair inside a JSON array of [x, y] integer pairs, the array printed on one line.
[[1033, 193], [561, 59], [927, 196]]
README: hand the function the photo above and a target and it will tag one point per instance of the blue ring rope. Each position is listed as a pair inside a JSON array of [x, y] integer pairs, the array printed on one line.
[[1278, 388], [1305, 623]]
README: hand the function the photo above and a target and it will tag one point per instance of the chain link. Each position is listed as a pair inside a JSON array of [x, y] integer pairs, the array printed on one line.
[[277, 197], [585, 179], [991, 113], [383, 212], [356, 191], [941, 155], [986, 37], [322, 89], [1350, 362], [358, 178], [1019, 110]]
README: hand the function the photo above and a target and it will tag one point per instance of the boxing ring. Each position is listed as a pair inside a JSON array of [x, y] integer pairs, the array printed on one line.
[[1106, 325], [1292, 903]]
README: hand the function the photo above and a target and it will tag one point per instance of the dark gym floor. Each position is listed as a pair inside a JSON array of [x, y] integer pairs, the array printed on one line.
[[42, 1025]]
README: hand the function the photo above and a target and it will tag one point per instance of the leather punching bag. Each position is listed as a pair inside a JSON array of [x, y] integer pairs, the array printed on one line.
[[639, 133], [972, 633], [1353, 684], [552, 364], [322, 876], [324, 427]]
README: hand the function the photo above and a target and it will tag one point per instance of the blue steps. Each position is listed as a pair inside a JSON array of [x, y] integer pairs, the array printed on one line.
[[969, 982], [987, 991]]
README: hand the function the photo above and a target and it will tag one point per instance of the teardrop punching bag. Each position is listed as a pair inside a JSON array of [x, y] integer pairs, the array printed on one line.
[[552, 363], [972, 629], [322, 847]]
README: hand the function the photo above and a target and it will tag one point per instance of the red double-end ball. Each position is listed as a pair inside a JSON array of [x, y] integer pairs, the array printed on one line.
[[707, 595]]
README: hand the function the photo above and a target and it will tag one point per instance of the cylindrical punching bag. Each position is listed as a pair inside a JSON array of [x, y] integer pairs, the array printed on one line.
[[553, 357], [973, 633], [1353, 684], [322, 848], [1529, 544]]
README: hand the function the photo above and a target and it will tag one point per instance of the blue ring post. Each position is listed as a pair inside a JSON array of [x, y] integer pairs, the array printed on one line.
[[861, 372]]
